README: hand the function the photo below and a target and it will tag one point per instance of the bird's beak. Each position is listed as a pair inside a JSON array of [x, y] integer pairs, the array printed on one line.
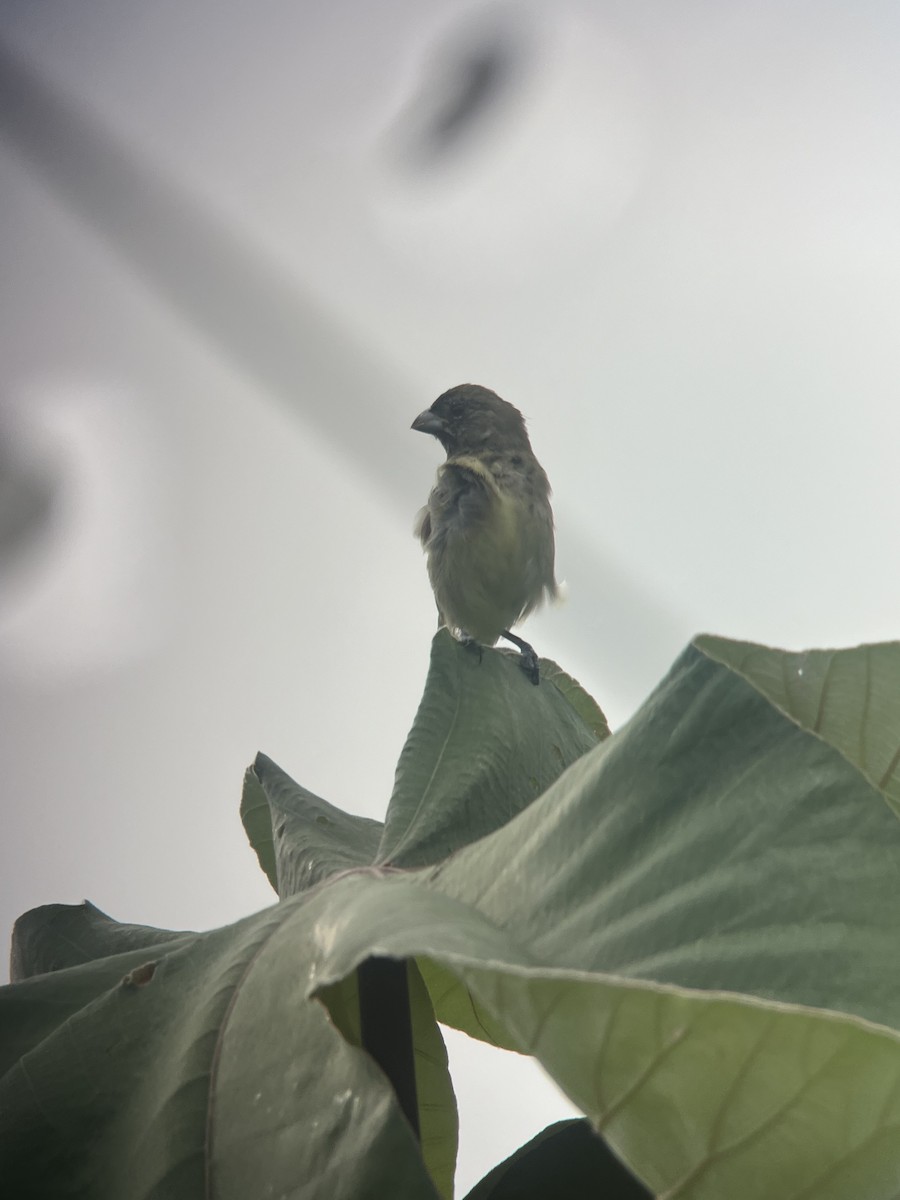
[[429, 422]]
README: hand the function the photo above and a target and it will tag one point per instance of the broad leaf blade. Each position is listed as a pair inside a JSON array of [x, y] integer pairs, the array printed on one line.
[[297, 1104], [55, 936], [485, 743], [256, 817], [299, 838], [850, 698], [713, 842], [113, 1100], [708, 1096], [710, 843], [204, 1072], [703, 1095], [583, 703], [33, 1009]]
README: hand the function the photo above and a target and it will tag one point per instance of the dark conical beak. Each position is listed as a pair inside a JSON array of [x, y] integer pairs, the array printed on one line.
[[429, 422]]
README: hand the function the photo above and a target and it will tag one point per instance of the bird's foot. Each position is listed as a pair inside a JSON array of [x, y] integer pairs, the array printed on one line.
[[528, 660]]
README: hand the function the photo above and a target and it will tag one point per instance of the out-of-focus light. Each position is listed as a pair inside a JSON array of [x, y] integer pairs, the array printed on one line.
[[522, 136], [27, 498], [88, 587], [469, 80]]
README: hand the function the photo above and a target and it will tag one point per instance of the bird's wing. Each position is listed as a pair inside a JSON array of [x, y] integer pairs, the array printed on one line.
[[422, 526], [546, 551], [462, 495]]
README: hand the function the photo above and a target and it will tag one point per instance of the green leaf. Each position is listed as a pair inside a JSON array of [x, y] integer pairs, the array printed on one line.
[[485, 743], [204, 1072], [850, 698], [566, 1161], [711, 843], [299, 838], [65, 935], [706, 1096], [692, 929], [580, 700], [703, 1094], [256, 817]]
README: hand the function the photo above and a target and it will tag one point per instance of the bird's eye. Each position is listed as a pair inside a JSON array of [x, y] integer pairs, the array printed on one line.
[[457, 405]]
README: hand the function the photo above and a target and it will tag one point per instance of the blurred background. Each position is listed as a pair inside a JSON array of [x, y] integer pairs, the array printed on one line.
[[243, 245]]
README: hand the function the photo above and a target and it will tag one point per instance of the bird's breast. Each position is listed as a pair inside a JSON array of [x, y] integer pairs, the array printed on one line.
[[483, 556]]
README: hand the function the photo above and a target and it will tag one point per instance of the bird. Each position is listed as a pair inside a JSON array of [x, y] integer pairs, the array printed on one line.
[[487, 529]]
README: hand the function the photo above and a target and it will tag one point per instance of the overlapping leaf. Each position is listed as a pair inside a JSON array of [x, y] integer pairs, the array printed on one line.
[[849, 698], [711, 843], [299, 838], [692, 928], [485, 743], [205, 1070]]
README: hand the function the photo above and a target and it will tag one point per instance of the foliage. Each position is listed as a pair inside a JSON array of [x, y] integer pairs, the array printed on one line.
[[689, 924]]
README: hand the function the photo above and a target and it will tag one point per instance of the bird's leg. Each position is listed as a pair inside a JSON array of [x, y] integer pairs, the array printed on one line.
[[529, 660]]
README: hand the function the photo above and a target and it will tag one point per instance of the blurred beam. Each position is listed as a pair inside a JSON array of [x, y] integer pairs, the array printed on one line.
[[284, 338], [220, 285]]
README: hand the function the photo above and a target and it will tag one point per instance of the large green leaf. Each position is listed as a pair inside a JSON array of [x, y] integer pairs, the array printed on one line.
[[485, 743], [711, 843], [692, 928], [48, 939], [848, 697], [208, 1070], [704, 1094], [711, 1095], [299, 838], [65, 935]]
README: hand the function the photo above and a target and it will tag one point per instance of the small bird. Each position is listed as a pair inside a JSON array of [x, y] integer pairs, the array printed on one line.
[[487, 528]]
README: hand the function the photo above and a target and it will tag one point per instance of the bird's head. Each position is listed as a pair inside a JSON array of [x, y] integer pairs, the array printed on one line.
[[469, 419]]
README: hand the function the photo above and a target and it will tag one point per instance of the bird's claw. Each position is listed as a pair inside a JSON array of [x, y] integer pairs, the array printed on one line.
[[528, 659]]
